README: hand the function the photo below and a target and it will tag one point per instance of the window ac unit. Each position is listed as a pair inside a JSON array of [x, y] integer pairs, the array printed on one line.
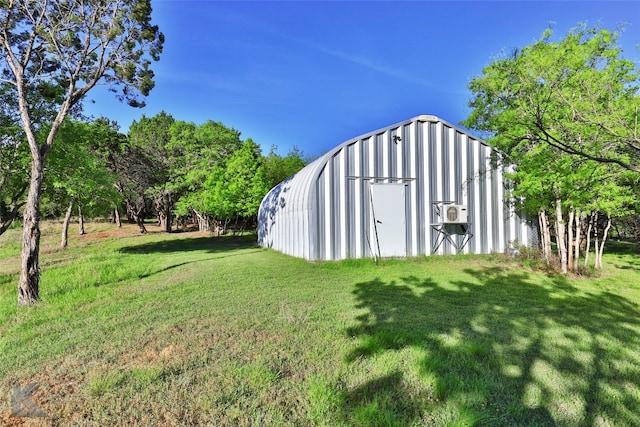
[[453, 214]]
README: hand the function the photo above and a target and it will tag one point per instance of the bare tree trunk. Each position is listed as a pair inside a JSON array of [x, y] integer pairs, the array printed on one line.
[[604, 239], [588, 245], [579, 218], [596, 240], [560, 236], [80, 221], [570, 239], [204, 224], [65, 226], [116, 217], [30, 272], [546, 236], [140, 223], [163, 205], [543, 243], [164, 220]]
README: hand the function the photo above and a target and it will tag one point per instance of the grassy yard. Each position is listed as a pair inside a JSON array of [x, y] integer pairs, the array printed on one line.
[[186, 329]]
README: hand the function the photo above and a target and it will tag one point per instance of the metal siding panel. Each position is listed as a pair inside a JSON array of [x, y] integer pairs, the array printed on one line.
[[386, 161], [393, 155], [471, 192], [455, 188], [344, 226], [335, 206], [375, 151], [378, 150], [356, 235], [321, 224], [482, 178], [448, 170], [496, 208], [445, 166], [435, 142], [327, 202], [463, 142], [424, 192], [489, 201], [411, 147]]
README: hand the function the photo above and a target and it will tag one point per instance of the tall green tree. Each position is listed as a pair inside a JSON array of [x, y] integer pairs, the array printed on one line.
[[77, 175], [149, 137], [578, 95], [244, 183], [565, 115], [72, 45], [202, 152], [278, 168]]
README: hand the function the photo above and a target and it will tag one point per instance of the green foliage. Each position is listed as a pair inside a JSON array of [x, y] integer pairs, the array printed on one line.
[[219, 176], [278, 168], [77, 174], [565, 114], [578, 95]]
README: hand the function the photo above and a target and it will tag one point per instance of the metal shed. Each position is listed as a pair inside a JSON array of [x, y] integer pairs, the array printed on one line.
[[418, 187]]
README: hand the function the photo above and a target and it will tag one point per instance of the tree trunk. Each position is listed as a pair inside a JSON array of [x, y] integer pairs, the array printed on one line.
[[596, 239], [164, 218], [545, 235], [570, 239], [65, 226], [30, 272], [541, 228], [576, 257], [588, 245], [163, 205], [560, 236], [140, 224], [116, 217], [204, 224], [604, 238], [80, 221]]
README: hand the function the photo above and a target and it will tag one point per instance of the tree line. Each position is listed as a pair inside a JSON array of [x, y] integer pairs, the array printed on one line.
[[174, 172]]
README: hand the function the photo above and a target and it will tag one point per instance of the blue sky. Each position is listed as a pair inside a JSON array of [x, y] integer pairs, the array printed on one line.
[[315, 74]]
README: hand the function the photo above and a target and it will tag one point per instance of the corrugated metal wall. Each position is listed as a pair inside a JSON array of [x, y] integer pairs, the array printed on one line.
[[325, 211]]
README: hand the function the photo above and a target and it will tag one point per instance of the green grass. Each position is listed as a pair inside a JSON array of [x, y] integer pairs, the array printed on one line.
[[186, 329]]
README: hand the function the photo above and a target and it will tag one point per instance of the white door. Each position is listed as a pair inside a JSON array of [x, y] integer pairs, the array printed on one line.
[[388, 206]]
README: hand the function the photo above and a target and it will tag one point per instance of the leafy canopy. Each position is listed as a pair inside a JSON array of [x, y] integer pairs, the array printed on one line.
[[578, 95]]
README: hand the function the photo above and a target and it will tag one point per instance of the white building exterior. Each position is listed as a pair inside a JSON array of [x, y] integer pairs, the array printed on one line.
[[385, 193]]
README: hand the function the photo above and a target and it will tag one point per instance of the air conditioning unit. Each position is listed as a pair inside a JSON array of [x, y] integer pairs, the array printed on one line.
[[453, 214]]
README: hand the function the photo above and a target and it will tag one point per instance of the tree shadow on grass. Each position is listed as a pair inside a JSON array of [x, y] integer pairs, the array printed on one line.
[[498, 349], [218, 247], [208, 244]]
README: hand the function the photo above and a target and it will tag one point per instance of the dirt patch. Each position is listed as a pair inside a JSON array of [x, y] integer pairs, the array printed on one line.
[[125, 231], [7, 420]]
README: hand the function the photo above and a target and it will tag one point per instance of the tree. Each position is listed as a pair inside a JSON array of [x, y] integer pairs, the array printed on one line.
[[14, 150], [201, 153], [73, 45], [150, 137], [577, 95], [77, 175], [243, 183], [278, 168], [564, 113]]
